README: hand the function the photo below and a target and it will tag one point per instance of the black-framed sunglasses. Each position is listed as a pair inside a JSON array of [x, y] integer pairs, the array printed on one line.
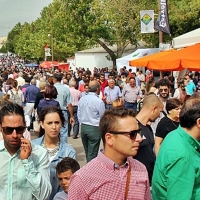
[[9, 130], [161, 90], [132, 134]]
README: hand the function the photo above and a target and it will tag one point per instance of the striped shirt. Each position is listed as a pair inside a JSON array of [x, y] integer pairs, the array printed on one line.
[[102, 179], [130, 94]]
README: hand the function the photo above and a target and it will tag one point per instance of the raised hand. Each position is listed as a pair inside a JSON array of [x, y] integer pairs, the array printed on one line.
[[25, 148]]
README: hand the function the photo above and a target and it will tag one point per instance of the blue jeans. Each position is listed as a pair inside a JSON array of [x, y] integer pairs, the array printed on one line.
[[131, 105], [64, 129]]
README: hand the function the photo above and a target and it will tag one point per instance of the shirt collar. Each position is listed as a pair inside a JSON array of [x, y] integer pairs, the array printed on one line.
[[93, 93], [2, 147], [108, 163], [192, 141]]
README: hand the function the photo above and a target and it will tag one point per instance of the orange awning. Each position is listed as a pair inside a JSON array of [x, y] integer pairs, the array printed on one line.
[[143, 62], [188, 57]]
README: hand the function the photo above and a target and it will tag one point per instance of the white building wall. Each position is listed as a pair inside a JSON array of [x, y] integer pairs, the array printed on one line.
[[91, 60]]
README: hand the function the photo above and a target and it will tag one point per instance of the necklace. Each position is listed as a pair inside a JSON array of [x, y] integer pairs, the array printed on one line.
[[53, 151], [173, 122]]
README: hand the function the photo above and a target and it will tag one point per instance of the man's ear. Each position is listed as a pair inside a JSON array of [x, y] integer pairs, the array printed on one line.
[[154, 108], [109, 139], [198, 123]]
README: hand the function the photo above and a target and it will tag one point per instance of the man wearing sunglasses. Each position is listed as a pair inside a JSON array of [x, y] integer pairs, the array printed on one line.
[[24, 167], [163, 86], [114, 174], [151, 109]]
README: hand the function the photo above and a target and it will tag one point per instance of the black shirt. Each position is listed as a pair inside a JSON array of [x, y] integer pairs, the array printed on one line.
[[165, 126], [145, 152]]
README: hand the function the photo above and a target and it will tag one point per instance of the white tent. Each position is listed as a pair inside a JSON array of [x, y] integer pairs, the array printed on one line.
[[124, 61], [186, 39]]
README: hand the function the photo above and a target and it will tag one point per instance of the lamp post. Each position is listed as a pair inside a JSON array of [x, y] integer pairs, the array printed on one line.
[[51, 35], [52, 45]]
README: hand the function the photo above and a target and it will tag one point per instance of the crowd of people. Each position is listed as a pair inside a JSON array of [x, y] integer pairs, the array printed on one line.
[[150, 132]]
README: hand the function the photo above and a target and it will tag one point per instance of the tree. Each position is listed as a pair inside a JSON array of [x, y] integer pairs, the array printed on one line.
[[3, 49], [106, 22]]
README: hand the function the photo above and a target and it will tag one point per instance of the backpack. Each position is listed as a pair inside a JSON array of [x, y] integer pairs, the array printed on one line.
[[15, 98]]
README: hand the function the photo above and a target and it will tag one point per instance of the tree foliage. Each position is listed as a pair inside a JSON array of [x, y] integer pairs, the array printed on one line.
[[73, 25]]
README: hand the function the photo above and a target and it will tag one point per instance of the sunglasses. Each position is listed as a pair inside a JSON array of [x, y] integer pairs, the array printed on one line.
[[161, 90], [9, 130], [132, 134]]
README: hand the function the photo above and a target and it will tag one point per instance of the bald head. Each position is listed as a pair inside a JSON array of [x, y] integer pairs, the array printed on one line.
[[94, 86], [33, 82], [72, 83], [152, 100], [151, 108]]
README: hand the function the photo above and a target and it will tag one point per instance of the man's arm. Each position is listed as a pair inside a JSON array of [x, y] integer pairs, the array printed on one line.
[[71, 112], [37, 169], [76, 189], [180, 179], [79, 114], [101, 108], [123, 92]]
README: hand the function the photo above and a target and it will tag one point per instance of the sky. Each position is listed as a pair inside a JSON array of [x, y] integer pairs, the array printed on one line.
[[14, 11]]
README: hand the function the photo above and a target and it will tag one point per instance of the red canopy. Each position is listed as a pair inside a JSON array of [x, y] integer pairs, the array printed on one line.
[[49, 64], [63, 66]]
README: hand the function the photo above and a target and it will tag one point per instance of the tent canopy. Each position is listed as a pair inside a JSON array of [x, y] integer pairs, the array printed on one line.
[[124, 61], [48, 64], [178, 60], [173, 60], [186, 39], [143, 62]]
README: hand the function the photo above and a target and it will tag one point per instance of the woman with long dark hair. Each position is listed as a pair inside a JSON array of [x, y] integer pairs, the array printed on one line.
[[51, 119]]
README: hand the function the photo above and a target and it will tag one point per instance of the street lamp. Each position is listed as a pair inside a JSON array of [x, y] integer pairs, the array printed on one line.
[[51, 35], [52, 50]]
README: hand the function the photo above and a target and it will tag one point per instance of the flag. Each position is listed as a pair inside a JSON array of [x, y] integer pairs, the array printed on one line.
[[162, 23], [147, 21]]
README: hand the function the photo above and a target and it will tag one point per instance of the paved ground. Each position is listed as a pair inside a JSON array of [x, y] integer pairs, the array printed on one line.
[[77, 145]]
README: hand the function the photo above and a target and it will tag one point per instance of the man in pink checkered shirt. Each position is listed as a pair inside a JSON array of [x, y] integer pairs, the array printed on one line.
[[107, 175]]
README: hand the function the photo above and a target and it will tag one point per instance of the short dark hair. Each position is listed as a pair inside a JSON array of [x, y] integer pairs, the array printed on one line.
[[50, 92], [132, 78], [172, 103], [190, 112], [163, 82], [58, 76], [46, 110], [86, 85], [10, 108], [27, 79], [66, 164], [109, 119]]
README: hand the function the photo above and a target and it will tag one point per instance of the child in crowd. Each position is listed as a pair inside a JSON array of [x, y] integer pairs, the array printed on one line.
[[64, 170]]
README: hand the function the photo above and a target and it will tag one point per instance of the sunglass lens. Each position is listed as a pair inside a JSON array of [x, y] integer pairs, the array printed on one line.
[[20, 130], [133, 134], [8, 130]]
